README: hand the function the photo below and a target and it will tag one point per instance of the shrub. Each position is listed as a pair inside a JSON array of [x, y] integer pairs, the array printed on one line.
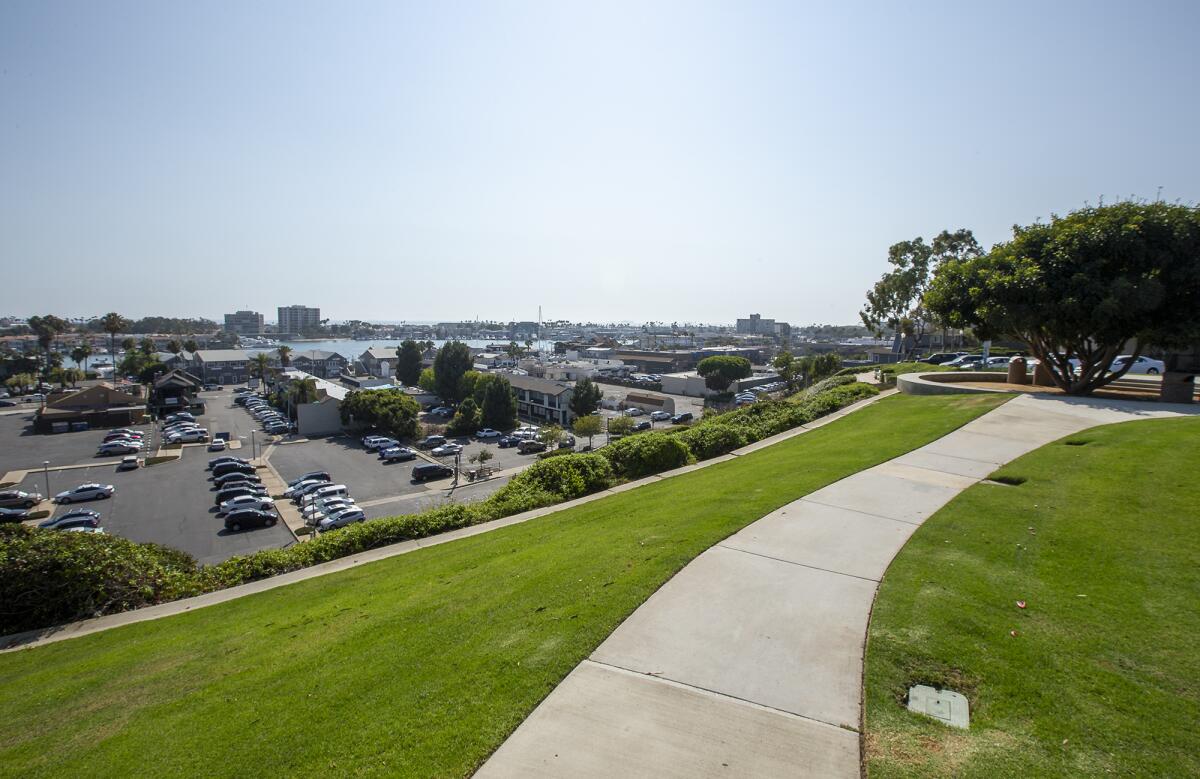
[[641, 455], [49, 577], [553, 453], [708, 441], [566, 477]]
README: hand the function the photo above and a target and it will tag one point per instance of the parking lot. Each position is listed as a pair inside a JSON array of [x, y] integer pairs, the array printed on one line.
[[169, 504], [23, 449]]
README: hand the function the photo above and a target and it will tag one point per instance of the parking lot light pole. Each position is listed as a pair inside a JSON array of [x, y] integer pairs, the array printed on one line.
[[46, 472], [253, 456]]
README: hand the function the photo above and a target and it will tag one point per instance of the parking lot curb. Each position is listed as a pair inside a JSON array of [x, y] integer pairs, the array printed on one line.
[[293, 520]]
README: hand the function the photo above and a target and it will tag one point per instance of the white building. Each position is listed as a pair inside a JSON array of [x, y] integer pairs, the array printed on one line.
[[323, 415]]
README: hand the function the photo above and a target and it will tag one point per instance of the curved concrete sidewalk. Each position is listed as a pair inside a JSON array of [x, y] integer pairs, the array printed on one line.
[[749, 661]]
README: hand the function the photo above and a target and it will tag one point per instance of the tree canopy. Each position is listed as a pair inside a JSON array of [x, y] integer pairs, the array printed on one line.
[[452, 361], [408, 363], [497, 401], [720, 371], [585, 398], [1082, 286], [896, 302], [388, 411]]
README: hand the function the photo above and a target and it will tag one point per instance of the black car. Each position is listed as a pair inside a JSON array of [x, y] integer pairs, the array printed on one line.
[[236, 492], [242, 518], [72, 518], [241, 483], [230, 478], [679, 419], [645, 424], [427, 471], [13, 515], [430, 441], [225, 468], [507, 441], [313, 475], [225, 458]]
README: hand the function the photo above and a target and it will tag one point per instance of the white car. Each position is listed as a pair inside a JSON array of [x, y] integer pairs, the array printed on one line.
[[634, 412], [299, 486], [188, 436], [376, 442], [487, 432], [85, 492], [341, 518], [1140, 365], [446, 450], [217, 445], [329, 506], [119, 447], [247, 502], [659, 416]]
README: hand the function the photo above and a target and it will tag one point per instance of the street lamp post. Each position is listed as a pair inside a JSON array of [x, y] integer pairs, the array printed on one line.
[[46, 472], [253, 456]]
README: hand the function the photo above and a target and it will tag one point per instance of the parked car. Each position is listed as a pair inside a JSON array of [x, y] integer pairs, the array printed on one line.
[[342, 518], [184, 415], [376, 442], [118, 447], [323, 508], [446, 450], [85, 492], [997, 362], [427, 471], [443, 411], [397, 454], [230, 478], [1140, 365], [531, 445], [318, 475], [660, 416], [330, 491], [488, 432], [431, 441], [303, 492], [237, 467], [245, 518], [941, 357], [132, 435], [18, 499], [226, 458], [679, 419], [229, 493], [72, 518], [506, 441], [129, 463], [217, 445], [633, 412], [645, 424], [962, 359], [568, 440], [246, 502], [188, 437], [13, 515], [5, 402]]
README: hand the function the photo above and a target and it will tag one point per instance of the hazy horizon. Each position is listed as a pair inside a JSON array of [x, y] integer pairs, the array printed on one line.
[[665, 161]]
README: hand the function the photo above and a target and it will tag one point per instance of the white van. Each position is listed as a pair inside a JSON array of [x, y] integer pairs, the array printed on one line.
[[332, 491]]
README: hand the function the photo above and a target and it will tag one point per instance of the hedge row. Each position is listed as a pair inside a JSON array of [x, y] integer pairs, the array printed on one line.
[[48, 578]]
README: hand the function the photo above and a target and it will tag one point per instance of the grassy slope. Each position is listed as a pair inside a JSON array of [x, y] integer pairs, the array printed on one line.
[[419, 665], [1102, 543]]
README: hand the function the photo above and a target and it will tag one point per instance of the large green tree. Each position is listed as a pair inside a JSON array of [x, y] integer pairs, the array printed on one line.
[[719, 371], [408, 363], [47, 328], [1081, 287], [587, 427], [585, 398], [499, 403], [388, 411], [452, 361], [896, 302]]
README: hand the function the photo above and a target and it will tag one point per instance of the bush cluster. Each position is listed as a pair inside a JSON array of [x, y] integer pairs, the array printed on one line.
[[48, 578]]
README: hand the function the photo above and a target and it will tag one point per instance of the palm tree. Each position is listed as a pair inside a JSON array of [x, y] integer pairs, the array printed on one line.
[[174, 347], [303, 391], [81, 353], [285, 356], [47, 329], [113, 323], [128, 344], [190, 345], [260, 365]]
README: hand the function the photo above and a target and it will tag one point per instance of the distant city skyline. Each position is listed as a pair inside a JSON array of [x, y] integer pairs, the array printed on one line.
[[674, 161]]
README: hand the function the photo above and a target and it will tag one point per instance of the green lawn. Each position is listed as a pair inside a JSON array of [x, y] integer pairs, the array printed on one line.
[[419, 665], [1102, 543]]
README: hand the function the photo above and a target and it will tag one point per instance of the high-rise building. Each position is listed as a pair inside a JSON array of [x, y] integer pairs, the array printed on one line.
[[298, 319], [244, 323], [756, 325]]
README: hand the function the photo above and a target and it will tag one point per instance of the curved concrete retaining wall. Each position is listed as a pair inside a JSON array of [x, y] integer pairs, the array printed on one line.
[[946, 383]]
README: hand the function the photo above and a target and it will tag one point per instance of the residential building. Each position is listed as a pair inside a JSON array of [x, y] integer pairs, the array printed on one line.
[[100, 405], [221, 366], [756, 325], [379, 361], [298, 319], [320, 363], [542, 400], [244, 323]]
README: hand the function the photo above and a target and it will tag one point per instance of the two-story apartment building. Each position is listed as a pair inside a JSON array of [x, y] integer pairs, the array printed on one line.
[[320, 363], [542, 400], [379, 361], [221, 366]]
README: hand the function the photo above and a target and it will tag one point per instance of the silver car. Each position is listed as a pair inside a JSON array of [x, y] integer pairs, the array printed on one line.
[[85, 492]]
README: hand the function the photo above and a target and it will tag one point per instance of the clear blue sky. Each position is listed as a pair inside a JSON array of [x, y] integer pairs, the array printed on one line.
[[644, 161]]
